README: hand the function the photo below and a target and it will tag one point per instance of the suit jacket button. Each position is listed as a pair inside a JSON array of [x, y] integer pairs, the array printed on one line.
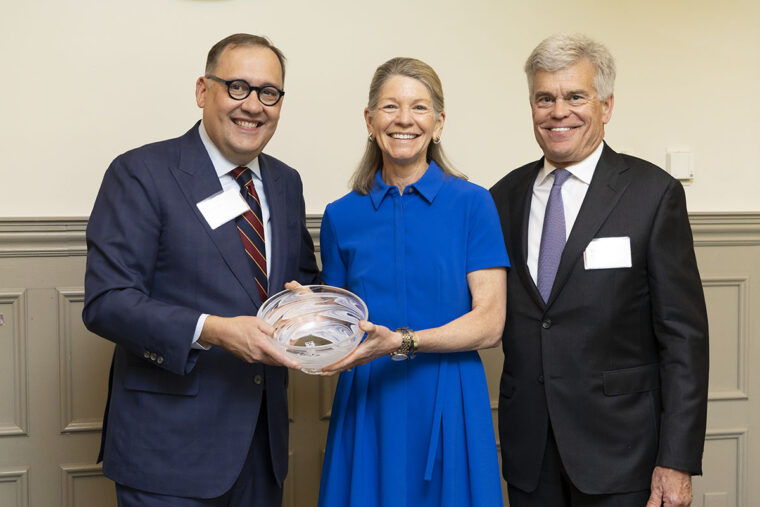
[[546, 324], [160, 359], [258, 380], [153, 356], [146, 354], [540, 379]]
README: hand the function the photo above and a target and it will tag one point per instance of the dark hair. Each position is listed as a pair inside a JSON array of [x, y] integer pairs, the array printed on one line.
[[242, 39]]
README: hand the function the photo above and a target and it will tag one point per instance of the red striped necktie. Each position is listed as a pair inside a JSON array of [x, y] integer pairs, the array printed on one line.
[[250, 225]]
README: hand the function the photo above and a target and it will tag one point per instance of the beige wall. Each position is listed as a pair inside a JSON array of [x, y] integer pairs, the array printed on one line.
[[84, 80]]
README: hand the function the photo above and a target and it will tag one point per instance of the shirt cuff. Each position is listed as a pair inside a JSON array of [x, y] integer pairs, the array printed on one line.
[[197, 334]]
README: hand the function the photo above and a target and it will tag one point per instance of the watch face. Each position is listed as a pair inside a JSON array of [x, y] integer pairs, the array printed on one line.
[[399, 356]]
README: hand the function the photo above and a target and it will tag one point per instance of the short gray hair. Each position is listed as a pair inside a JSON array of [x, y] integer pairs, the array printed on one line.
[[563, 50]]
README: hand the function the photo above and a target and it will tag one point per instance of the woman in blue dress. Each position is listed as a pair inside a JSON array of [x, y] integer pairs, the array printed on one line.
[[411, 421]]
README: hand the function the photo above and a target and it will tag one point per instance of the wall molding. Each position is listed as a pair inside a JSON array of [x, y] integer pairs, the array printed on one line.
[[740, 284], [725, 229], [70, 473], [739, 435], [17, 317], [65, 236], [69, 423], [313, 224], [18, 477], [42, 237]]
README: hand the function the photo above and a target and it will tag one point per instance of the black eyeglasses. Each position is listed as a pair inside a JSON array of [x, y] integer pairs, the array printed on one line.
[[239, 89]]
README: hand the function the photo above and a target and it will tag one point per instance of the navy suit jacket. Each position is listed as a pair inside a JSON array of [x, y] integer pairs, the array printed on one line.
[[616, 359], [179, 421]]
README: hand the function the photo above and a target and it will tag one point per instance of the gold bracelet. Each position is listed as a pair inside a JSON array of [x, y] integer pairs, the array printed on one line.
[[408, 347]]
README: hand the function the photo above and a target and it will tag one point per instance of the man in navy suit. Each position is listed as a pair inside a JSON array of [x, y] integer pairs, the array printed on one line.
[[604, 391], [197, 408]]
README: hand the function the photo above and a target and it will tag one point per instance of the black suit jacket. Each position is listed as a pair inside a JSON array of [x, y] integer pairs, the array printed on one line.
[[180, 421], [616, 359]]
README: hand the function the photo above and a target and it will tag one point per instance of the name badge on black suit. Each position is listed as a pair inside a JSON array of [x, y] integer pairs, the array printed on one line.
[[608, 253]]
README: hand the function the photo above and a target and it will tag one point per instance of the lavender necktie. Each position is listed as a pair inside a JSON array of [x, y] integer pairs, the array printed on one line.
[[552, 236]]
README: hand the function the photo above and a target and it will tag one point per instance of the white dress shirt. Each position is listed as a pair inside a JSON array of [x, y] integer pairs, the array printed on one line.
[[222, 166], [573, 192]]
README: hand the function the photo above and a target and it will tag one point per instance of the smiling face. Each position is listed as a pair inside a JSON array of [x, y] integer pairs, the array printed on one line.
[[404, 122], [568, 117], [240, 129]]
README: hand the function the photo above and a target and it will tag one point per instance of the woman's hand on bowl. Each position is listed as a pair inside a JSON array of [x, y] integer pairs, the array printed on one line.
[[379, 341]]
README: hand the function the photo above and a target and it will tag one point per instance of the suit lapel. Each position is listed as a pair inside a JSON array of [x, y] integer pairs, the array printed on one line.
[[610, 180], [521, 198], [275, 194], [197, 179]]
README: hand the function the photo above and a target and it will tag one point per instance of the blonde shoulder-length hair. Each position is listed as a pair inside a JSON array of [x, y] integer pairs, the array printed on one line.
[[364, 175]]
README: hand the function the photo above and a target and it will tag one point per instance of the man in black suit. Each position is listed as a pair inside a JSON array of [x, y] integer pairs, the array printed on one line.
[[604, 391]]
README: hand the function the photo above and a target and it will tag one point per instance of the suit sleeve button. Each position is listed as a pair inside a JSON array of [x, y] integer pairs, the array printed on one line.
[[146, 354], [540, 379], [160, 359], [153, 356], [546, 324], [258, 380]]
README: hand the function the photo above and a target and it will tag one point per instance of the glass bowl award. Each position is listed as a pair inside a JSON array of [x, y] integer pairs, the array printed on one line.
[[315, 325]]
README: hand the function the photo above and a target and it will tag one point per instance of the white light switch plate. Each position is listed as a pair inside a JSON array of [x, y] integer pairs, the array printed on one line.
[[680, 163]]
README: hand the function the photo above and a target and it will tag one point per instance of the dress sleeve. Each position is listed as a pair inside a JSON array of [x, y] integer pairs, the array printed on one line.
[[485, 241], [333, 265]]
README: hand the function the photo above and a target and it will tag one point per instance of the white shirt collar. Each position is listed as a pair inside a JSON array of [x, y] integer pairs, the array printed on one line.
[[223, 166], [583, 170]]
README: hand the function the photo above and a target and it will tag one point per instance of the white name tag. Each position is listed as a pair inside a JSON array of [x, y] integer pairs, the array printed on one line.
[[608, 253], [222, 207]]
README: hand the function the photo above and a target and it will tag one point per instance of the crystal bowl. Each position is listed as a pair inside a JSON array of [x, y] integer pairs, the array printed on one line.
[[315, 325]]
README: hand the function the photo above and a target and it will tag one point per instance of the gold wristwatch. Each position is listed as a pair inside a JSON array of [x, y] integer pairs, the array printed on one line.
[[408, 347]]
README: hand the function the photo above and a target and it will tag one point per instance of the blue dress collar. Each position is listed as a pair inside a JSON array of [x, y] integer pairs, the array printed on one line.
[[427, 186]]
